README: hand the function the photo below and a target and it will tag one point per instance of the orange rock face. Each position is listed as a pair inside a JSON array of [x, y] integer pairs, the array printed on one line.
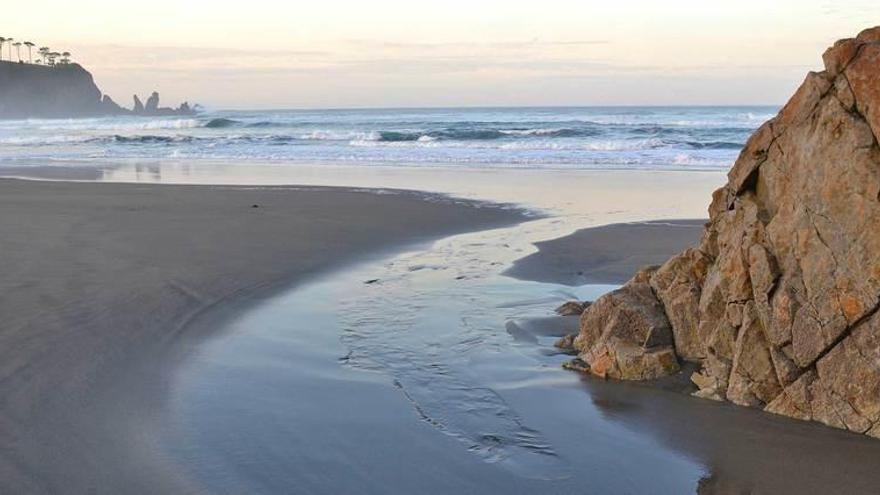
[[779, 302], [626, 335]]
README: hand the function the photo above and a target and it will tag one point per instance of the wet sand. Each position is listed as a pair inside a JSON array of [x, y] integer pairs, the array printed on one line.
[[609, 254], [743, 450], [440, 377], [87, 407], [101, 279]]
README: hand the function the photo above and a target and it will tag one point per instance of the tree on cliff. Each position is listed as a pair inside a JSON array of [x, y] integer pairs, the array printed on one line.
[[2, 41], [30, 47], [65, 58], [44, 53]]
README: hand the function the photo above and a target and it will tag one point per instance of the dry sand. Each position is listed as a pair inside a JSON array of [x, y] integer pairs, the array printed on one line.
[[98, 279], [609, 254]]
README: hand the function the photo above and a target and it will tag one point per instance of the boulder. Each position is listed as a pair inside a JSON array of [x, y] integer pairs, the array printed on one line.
[[778, 304], [572, 308], [565, 343], [625, 334]]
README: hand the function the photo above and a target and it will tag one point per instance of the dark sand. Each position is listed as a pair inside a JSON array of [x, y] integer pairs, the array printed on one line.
[[279, 404], [607, 255], [99, 280], [105, 287], [745, 451]]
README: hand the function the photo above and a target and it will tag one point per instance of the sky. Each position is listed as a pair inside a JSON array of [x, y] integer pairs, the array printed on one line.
[[260, 54]]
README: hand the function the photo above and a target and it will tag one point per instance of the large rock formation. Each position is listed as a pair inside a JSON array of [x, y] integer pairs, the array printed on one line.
[[778, 304], [63, 90], [152, 108], [68, 90]]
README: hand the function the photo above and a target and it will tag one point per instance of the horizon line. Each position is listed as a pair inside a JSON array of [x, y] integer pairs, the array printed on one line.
[[489, 107]]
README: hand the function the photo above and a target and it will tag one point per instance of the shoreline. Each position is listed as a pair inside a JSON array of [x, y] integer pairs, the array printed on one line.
[[72, 415]]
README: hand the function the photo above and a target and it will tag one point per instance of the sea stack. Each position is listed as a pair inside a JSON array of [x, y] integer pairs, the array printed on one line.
[[152, 105], [138, 107], [778, 303], [152, 108]]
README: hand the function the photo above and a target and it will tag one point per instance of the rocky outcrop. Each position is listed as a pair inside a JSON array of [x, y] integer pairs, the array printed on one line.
[[152, 105], [778, 304], [138, 107], [63, 90], [66, 90], [626, 335], [152, 108], [573, 308]]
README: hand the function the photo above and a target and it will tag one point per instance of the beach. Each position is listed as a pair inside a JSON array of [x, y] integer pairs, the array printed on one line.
[[266, 339], [264, 302], [538, 249], [99, 278]]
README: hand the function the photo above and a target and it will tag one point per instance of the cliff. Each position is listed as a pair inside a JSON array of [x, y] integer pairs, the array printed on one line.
[[29, 90], [778, 304], [65, 90]]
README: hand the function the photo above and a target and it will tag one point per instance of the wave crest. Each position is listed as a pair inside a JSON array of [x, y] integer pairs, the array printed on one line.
[[149, 139], [221, 123]]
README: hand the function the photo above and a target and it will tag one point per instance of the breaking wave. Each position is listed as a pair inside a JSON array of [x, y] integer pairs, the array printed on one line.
[[699, 137], [221, 123], [151, 139]]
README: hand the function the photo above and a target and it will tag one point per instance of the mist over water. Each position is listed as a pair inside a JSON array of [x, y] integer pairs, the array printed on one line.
[[688, 138]]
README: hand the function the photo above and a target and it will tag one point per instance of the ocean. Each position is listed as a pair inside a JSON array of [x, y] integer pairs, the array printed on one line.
[[651, 138]]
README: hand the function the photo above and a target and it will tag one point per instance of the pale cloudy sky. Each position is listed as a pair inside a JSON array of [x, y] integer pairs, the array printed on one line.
[[385, 53]]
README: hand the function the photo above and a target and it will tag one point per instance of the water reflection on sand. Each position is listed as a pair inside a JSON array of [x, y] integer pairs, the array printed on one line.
[[440, 377], [411, 381]]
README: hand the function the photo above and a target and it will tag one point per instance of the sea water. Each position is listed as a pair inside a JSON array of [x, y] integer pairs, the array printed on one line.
[[662, 138]]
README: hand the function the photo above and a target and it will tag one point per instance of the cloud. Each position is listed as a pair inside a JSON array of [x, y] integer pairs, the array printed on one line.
[[852, 10], [504, 45], [350, 56]]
